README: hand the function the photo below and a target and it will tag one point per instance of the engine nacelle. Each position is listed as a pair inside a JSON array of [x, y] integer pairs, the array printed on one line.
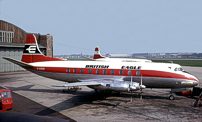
[[117, 86], [142, 86]]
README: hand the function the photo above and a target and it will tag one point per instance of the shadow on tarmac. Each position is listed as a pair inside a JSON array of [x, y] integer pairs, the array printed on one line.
[[27, 110], [82, 97]]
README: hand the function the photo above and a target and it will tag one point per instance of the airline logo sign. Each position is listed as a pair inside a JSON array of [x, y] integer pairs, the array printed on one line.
[[31, 49]]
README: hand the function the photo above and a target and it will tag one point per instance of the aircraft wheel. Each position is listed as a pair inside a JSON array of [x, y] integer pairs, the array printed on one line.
[[104, 97], [171, 97], [99, 91], [108, 92], [64, 90]]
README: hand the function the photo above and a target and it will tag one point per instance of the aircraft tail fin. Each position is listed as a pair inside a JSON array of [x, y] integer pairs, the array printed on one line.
[[32, 53], [97, 54]]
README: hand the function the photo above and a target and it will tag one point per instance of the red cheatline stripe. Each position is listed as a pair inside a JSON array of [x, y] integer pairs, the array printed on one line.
[[144, 73]]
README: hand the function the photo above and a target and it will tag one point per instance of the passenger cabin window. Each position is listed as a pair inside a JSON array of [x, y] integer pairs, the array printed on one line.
[[82, 71], [121, 72], [74, 70], [104, 71], [129, 72], [139, 67], [112, 72], [138, 73], [68, 70], [97, 71], [89, 71]]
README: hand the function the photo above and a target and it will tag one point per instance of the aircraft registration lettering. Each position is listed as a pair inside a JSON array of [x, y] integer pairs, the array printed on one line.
[[40, 68], [97, 66]]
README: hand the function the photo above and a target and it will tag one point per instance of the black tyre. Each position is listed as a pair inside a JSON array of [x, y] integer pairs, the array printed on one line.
[[171, 97]]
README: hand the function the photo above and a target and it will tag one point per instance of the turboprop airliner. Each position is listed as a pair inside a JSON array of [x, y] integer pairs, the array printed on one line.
[[104, 75], [99, 57]]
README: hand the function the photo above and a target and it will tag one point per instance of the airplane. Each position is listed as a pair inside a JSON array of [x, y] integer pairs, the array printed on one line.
[[99, 57], [104, 75]]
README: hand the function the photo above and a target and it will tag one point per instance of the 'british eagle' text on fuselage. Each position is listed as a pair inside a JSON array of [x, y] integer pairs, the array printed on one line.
[[98, 66], [131, 67]]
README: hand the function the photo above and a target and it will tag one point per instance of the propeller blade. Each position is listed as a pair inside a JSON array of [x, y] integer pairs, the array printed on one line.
[[140, 97], [141, 87], [131, 99], [141, 80], [131, 83]]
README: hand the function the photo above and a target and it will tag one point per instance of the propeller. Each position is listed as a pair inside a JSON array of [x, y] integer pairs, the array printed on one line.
[[134, 87], [142, 86]]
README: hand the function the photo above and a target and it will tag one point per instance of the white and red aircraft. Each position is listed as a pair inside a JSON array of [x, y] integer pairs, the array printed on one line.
[[104, 75]]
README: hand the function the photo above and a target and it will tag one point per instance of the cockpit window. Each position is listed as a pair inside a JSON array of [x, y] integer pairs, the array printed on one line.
[[181, 69], [178, 69]]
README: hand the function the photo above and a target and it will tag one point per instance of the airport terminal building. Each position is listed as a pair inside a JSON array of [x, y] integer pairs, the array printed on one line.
[[12, 40]]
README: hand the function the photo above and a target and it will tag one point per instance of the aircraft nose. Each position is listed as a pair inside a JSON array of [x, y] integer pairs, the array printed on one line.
[[193, 79], [191, 76], [195, 83], [196, 78]]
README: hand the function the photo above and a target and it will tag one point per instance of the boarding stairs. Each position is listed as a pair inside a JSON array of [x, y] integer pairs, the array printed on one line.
[[198, 101]]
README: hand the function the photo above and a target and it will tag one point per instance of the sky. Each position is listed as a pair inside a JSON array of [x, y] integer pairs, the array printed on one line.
[[116, 26]]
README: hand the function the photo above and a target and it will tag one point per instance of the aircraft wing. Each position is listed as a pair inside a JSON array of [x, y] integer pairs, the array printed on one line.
[[78, 84], [87, 82], [20, 63]]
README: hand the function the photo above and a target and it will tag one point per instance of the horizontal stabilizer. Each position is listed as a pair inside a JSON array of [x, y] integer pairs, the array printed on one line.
[[20, 63], [78, 84], [89, 58]]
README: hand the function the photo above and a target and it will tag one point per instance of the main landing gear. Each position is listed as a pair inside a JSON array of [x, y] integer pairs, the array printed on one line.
[[172, 95], [103, 94]]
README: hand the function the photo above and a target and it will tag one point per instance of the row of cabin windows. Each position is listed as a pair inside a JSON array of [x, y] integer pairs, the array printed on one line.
[[104, 71]]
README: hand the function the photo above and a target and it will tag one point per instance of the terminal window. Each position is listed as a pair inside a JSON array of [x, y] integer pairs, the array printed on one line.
[[6, 36]]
